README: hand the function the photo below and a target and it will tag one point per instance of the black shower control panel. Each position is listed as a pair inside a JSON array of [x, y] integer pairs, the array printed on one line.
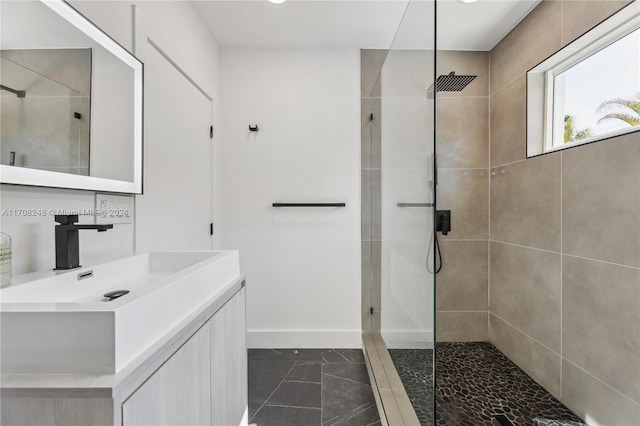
[[443, 221]]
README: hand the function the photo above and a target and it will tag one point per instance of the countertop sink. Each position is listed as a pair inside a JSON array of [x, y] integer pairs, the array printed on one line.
[[52, 322]]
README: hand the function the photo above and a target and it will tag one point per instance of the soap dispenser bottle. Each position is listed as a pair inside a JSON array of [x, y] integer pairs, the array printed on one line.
[[5, 259]]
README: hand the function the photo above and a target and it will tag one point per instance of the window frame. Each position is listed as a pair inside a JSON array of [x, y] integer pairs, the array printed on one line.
[[545, 119]]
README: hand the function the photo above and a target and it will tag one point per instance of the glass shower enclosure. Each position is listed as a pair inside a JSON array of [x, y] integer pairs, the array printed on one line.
[[398, 210]]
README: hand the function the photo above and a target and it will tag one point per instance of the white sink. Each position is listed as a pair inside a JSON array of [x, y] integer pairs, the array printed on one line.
[[57, 323]]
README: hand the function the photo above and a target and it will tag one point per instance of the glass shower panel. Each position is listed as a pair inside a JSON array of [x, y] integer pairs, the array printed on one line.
[[407, 200]]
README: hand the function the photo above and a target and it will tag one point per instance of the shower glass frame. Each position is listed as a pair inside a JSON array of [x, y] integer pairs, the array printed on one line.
[[399, 203]]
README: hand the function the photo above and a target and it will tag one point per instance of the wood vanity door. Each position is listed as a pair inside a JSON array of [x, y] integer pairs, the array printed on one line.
[[179, 392], [229, 363]]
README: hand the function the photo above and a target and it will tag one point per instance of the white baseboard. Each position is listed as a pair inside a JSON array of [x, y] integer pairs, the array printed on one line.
[[408, 339], [304, 339]]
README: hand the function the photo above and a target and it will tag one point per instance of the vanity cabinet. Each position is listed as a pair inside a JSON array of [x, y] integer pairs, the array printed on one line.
[[202, 383], [196, 375], [229, 381], [179, 393]]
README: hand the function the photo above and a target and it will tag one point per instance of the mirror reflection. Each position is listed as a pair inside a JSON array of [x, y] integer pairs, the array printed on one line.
[[64, 84], [45, 110]]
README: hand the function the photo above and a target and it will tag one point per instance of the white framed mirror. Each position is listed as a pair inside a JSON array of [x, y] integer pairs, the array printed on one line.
[[72, 102]]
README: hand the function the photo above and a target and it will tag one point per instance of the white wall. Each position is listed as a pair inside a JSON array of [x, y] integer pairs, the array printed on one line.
[[303, 265], [177, 29], [192, 47]]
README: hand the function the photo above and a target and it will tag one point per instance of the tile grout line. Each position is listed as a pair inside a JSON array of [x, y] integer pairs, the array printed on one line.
[[445, 98], [489, 207], [345, 378], [455, 240], [505, 85], [321, 393], [292, 406], [561, 247], [603, 382], [463, 168], [525, 333], [510, 163], [348, 416], [566, 254], [600, 261], [343, 357], [274, 391], [527, 247], [562, 24]]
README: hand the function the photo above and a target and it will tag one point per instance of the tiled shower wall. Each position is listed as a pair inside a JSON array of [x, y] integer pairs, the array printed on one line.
[[371, 62], [462, 150], [463, 187], [58, 84], [565, 237]]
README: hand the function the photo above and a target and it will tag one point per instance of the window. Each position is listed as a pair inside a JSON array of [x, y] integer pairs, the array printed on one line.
[[589, 90]]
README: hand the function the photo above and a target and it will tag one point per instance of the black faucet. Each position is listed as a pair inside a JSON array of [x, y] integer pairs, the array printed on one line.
[[67, 247]]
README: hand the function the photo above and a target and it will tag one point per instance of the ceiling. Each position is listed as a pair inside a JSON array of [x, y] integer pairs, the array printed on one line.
[[369, 24]]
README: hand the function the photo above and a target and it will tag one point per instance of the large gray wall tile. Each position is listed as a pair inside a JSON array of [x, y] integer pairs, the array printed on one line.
[[525, 291], [462, 284], [587, 185], [509, 123], [366, 269], [367, 323], [535, 38], [593, 400], [371, 62], [53, 70], [466, 194], [407, 132], [542, 364], [601, 202], [461, 326], [579, 16], [463, 132], [370, 135], [376, 275], [43, 132], [465, 63], [525, 203], [407, 73], [601, 321], [371, 208]]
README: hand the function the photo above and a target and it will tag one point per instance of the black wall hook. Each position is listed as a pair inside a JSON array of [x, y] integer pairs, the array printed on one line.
[[253, 128]]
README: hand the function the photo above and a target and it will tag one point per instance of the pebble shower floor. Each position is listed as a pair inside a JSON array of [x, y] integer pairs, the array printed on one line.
[[476, 386]]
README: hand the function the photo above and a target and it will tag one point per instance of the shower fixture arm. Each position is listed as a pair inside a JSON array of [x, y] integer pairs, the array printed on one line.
[[18, 93]]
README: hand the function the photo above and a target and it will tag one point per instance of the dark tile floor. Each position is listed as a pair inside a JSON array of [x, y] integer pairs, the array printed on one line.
[[476, 385], [310, 387]]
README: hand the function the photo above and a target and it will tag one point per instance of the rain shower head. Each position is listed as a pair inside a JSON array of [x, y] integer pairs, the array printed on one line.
[[450, 83]]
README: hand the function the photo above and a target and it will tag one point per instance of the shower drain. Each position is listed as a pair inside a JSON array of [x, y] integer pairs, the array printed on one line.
[[503, 420]]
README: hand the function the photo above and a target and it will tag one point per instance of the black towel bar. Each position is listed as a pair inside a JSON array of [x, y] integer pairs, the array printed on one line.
[[309, 204], [415, 204]]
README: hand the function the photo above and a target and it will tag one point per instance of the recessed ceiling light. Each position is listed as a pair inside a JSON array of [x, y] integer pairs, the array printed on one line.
[[279, 1], [461, 1]]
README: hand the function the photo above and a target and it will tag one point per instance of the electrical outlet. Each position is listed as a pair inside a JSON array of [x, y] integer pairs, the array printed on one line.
[[116, 209]]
